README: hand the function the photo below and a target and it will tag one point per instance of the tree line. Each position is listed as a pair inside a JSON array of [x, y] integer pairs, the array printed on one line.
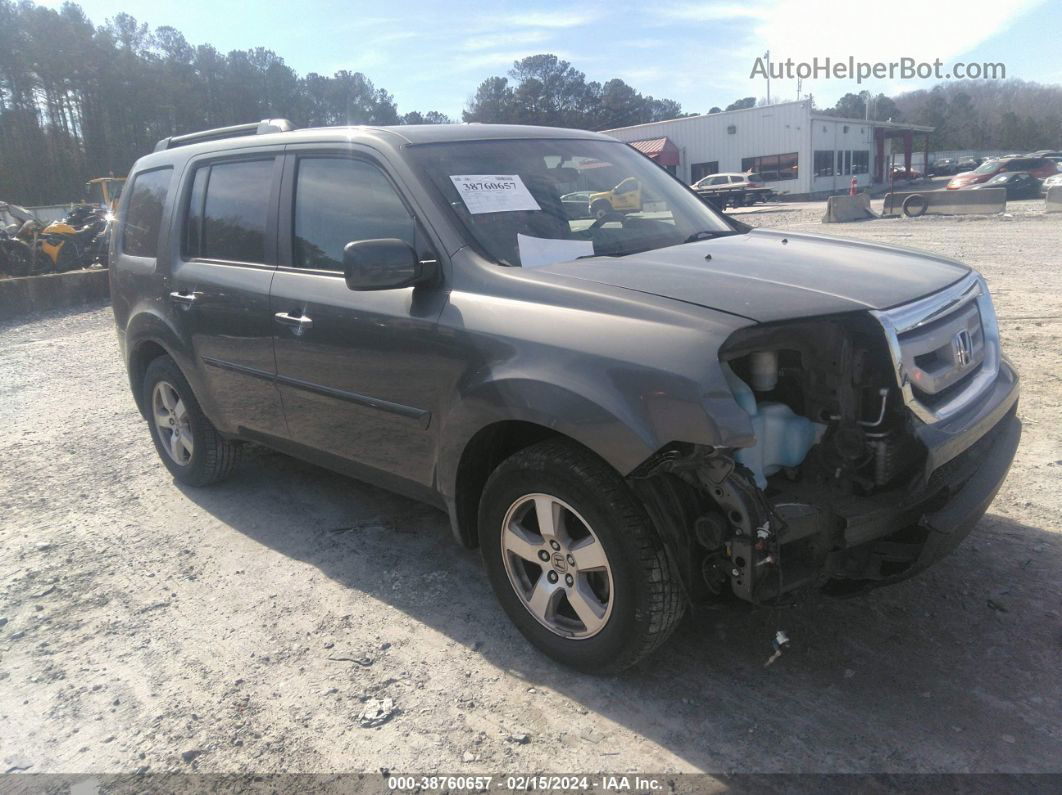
[[79, 101], [1013, 114], [543, 89]]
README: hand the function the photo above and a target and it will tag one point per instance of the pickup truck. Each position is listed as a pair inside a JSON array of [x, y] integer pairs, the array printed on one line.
[[732, 190]]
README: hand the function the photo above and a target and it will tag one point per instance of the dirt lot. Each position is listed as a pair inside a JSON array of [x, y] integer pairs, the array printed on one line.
[[244, 627]]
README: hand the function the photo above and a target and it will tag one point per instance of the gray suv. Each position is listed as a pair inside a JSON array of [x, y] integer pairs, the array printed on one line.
[[628, 414]]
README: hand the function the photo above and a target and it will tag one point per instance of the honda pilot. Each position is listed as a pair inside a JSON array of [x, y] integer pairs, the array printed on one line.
[[628, 414]]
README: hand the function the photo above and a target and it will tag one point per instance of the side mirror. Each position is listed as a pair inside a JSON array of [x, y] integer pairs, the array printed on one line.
[[384, 264]]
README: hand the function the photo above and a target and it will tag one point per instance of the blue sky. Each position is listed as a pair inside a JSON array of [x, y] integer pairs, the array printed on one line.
[[432, 55]]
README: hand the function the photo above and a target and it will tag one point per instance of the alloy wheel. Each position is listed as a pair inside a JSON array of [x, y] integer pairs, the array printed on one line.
[[172, 422], [557, 566]]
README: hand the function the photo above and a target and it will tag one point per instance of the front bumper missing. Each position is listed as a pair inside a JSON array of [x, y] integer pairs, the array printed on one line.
[[802, 536], [956, 498]]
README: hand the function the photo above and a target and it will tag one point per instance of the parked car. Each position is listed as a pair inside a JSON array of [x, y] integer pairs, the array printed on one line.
[[737, 190], [1039, 167], [626, 197], [909, 174], [968, 164], [577, 204], [749, 180], [943, 168], [1018, 184], [656, 409], [1054, 181]]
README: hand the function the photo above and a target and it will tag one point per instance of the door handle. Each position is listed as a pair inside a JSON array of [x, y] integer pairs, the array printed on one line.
[[185, 298], [287, 319]]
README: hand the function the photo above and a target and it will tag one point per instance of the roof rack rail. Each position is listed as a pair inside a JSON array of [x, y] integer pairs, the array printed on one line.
[[254, 128]]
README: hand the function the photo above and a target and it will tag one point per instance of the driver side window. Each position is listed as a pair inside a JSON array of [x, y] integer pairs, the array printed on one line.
[[340, 200]]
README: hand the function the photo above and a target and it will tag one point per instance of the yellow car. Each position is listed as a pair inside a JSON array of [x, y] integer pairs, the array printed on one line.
[[624, 198]]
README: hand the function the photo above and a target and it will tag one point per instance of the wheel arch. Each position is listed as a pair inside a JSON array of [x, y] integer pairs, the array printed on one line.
[[149, 336], [487, 428], [140, 358], [484, 452]]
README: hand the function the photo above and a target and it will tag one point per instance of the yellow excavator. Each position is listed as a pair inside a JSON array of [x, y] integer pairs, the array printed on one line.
[[104, 191]]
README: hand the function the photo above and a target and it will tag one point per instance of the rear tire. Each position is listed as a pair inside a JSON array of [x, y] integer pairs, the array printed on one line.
[[613, 597], [186, 441]]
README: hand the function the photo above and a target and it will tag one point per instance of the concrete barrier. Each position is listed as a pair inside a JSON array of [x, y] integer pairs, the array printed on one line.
[[841, 209], [947, 202], [51, 291], [1054, 200]]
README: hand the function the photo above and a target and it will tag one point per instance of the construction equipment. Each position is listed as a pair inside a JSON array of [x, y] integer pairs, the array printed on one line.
[[104, 192]]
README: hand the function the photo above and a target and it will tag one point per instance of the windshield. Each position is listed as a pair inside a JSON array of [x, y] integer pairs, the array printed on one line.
[[987, 167], [521, 200]]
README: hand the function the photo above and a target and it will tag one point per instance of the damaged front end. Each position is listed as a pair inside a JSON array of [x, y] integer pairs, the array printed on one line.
[[881, 439]]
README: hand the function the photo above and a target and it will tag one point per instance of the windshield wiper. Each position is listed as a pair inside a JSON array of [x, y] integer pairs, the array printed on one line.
[[707, 234]]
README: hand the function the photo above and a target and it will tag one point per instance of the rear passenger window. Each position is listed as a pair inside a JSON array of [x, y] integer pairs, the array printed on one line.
[[143, 215], [338, 201], [228, 210]]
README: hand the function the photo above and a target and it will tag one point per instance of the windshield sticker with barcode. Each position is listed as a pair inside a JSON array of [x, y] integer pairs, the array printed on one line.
[[493, 193]]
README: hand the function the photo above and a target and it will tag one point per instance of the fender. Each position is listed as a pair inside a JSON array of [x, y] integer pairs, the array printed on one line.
[[148, 325], [611, 432], [624, 419]]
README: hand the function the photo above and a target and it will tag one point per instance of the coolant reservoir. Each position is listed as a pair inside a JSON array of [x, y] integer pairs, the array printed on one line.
[[783, 438]]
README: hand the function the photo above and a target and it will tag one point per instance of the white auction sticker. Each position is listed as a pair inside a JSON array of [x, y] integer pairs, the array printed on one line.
[[493, 193]]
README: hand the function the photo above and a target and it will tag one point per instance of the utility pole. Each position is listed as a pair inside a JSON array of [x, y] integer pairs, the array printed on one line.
[[767, 57]]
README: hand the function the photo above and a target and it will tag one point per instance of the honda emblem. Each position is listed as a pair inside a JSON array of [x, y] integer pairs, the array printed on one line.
[[962, 348]]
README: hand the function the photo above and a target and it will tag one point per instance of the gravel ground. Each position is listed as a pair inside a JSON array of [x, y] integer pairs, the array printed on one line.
[[251, 626]]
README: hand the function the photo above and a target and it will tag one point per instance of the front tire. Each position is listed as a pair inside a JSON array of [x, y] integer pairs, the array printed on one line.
[[601, 209], [574, 561], [186, 441]]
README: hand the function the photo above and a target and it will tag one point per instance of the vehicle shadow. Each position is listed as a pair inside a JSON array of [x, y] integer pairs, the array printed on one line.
[[956, 670]]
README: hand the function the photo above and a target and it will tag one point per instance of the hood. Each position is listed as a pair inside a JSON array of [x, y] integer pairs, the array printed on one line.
[[969, 179], [767, 275]]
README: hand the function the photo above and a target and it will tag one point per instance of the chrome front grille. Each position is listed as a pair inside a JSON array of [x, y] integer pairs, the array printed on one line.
[[945, 348]]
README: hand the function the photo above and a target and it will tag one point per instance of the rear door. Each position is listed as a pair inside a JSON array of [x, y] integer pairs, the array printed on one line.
[[220, 284], [358, 371]]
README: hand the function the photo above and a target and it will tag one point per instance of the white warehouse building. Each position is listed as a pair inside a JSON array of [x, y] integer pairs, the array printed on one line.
[[796, 149]]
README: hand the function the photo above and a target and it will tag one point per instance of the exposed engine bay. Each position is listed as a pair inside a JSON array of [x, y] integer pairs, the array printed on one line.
[[834, 493], [824, 403]]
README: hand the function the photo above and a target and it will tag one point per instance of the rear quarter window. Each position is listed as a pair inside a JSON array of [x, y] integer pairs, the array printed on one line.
[[228, 211], [143, 215]]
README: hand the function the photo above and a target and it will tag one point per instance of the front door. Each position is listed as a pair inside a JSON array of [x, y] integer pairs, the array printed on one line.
[[356, 370], [220, 285]]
